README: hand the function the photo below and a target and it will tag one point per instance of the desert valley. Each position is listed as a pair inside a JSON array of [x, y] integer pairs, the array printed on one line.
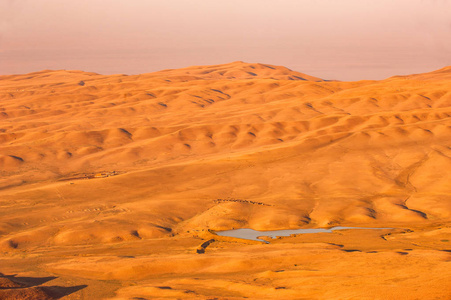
[[114, 186]]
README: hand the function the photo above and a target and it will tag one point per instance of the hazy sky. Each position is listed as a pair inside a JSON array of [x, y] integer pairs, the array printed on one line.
[[332, 39]]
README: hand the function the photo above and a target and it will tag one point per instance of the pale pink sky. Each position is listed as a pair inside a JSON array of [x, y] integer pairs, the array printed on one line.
[[332, 39]]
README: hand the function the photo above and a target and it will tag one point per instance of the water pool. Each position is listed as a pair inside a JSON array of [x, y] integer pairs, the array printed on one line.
[[251, 234]]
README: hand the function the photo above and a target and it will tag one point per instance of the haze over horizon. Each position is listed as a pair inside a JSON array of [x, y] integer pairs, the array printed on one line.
[[345, 40]]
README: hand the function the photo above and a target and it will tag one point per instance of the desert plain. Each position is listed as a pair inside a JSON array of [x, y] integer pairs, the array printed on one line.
[[113, 186]]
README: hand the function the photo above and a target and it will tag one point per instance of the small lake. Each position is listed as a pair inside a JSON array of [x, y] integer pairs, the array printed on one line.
[[250, 234]]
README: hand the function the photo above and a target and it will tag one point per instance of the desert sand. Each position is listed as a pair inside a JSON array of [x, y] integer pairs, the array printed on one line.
[[110, 186]]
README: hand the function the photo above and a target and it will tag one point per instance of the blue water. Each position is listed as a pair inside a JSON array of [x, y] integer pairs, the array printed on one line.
[[250, 234]]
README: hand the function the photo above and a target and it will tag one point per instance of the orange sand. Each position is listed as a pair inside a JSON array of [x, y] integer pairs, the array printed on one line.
[[110, 184]]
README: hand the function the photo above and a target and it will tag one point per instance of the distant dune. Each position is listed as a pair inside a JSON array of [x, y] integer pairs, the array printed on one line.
[[94, 167]]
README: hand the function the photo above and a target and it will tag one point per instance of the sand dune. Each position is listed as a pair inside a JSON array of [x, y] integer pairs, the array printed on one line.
[[95, 169]]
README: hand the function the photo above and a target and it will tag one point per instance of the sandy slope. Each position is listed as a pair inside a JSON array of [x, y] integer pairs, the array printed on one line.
[[113, 181]]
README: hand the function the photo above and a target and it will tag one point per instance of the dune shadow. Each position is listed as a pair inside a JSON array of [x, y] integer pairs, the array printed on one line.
[[30, 281], [62, 291]]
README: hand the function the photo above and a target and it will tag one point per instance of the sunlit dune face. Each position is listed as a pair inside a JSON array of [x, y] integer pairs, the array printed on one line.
[[278, 135], [115, 184]]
